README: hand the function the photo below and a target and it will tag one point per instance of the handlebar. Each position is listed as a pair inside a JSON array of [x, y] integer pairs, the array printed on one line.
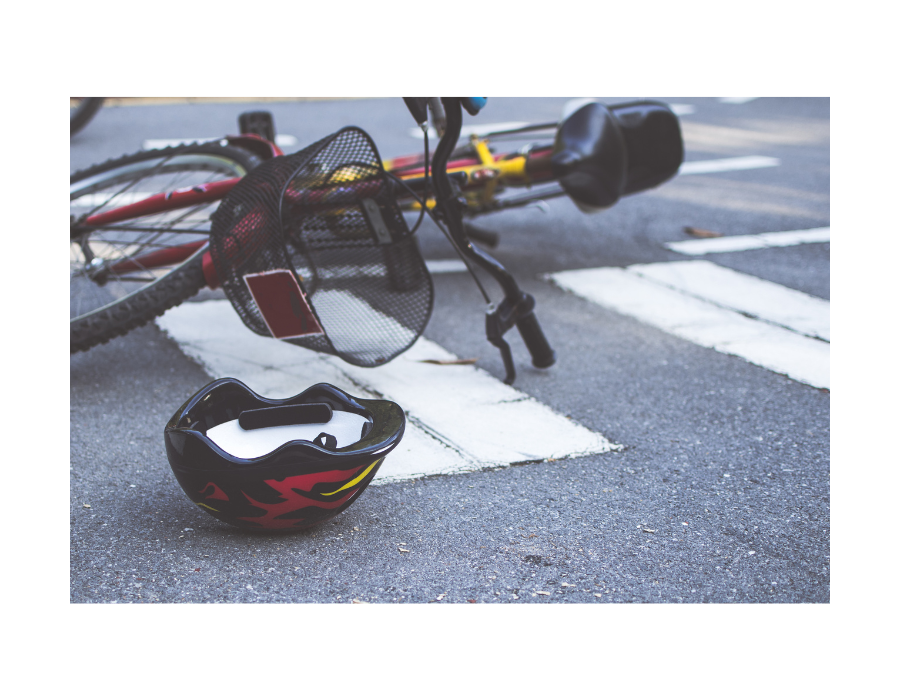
[[418, 106], [517, 307], [542, 355]]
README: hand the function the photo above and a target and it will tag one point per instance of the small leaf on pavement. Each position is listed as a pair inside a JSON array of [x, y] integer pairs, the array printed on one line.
[[701, 232], [469, 361]]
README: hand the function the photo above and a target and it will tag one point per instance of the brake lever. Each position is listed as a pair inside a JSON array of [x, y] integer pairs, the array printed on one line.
[[498, 320], [495, 336], [520, 313]]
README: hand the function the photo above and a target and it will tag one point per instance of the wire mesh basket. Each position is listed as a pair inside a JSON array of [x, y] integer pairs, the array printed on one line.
[[312, 248]]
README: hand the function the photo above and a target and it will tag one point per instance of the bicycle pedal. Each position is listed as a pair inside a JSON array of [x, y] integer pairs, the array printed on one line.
[[259, 123]]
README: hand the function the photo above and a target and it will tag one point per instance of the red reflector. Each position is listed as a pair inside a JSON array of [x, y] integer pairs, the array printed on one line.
[[282, 304]]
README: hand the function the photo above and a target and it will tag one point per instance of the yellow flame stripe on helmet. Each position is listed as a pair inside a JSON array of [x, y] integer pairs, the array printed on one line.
[[350, 484]]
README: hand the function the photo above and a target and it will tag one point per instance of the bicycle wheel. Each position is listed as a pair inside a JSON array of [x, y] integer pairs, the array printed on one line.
[[111, 288], [81, 111]]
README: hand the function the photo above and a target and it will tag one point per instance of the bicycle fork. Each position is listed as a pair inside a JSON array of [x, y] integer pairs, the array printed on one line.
[[517, 307]]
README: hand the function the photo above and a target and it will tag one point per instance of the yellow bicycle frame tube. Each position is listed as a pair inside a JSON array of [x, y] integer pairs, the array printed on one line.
[[485, 178]]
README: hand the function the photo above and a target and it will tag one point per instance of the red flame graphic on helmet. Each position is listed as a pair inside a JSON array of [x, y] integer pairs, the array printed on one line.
[[288, 489], [216, 492]]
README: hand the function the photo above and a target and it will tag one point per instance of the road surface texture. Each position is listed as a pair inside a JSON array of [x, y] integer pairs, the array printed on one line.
[[716, 488]]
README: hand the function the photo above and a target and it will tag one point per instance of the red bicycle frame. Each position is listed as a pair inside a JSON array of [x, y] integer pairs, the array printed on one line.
[[330, 196]]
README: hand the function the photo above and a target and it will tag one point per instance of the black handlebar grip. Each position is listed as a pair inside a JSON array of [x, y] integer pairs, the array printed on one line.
[[542, 354], [418, 107]]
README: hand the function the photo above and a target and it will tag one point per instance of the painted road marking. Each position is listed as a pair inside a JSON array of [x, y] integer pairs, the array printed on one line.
[[281, 140], [145, 101], [736, 100], [436, 267], [480, 129], [728, 244], [460, 418], [748, 295], [721, 165], [701, 311], [577, 103]]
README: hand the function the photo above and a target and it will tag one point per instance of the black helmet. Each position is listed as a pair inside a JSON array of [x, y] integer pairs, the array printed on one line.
[[279, 464]]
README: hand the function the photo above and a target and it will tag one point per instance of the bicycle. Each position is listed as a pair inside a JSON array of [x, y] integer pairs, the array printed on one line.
[[140, 224]]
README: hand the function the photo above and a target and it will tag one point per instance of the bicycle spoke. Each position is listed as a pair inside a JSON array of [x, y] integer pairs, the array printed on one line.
[[131, 184], [135, 258], [142, 244]]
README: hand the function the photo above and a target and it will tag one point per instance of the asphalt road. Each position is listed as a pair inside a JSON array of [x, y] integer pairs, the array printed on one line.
[[720, 493]]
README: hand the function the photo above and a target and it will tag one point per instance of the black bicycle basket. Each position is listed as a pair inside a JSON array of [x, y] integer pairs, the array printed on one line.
[[311, 248]]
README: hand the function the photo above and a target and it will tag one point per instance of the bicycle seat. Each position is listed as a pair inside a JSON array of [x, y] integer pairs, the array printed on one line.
[[603, 153], [590, 158], [653, 142]]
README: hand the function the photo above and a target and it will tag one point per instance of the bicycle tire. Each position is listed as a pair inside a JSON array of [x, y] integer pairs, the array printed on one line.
[[106, 305], [81, 114]]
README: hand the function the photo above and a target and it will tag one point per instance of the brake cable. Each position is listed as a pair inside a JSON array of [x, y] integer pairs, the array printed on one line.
[[423, 204]]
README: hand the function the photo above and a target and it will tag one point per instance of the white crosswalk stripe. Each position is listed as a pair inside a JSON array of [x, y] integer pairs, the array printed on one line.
[[460, 418], [748, 295], [439, 267], [721, 165], [769, 325], [730, 244]]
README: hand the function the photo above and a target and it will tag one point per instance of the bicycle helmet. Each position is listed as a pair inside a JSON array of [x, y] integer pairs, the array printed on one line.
[[279, 464]]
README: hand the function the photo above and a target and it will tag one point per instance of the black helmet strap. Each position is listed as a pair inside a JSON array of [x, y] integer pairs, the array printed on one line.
[[274, 416]]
